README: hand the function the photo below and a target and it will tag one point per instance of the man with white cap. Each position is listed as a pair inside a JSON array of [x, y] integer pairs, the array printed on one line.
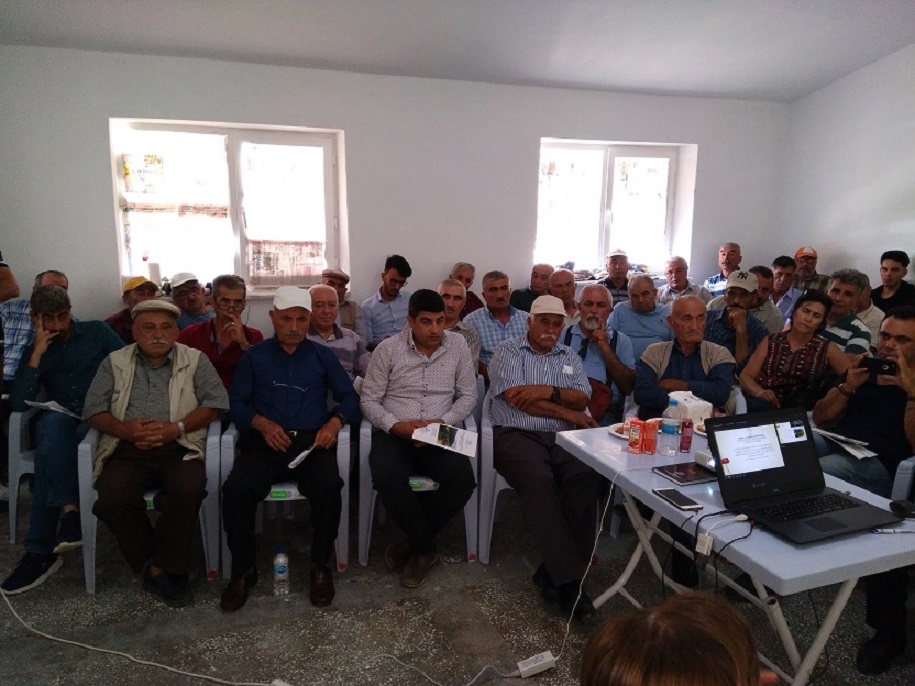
[[348, 312], [136, 290], [190, 298], [617, 280], [151, 403], [805, 276], [538, 387], [279, 404], [733, 327]]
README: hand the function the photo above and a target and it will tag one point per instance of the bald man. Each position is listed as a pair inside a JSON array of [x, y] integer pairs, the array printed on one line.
[[523, 298]]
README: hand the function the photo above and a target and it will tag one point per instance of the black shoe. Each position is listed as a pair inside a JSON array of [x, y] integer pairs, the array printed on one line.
[[173, 589], [31, 571], [573, 604], [70, 534], [877, 654], [547, 588]]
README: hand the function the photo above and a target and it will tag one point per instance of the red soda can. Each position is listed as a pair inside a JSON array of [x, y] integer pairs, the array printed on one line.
[[686, 435]]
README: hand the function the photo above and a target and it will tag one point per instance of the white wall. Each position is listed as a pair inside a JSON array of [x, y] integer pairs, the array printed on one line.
[[437, 170], [849, 186]]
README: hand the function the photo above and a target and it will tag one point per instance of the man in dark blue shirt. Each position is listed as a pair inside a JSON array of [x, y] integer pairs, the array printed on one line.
[[62, 359], [278, 401]]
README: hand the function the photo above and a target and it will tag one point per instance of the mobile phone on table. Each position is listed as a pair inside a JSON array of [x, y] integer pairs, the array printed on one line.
[[877, 365], [676, 498]]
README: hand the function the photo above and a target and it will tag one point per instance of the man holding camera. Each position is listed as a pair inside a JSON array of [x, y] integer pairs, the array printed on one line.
[[876, 403]]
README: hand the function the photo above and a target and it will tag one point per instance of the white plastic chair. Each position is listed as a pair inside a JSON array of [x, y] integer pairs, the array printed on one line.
[[209, 508], [368, 495], [288, 491], [21, 460]]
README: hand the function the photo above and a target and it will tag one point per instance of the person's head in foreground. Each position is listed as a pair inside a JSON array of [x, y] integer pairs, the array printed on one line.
[[690, 639]]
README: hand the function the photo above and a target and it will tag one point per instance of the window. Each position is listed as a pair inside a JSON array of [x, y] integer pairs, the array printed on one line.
[[213, 200], [597, 197]]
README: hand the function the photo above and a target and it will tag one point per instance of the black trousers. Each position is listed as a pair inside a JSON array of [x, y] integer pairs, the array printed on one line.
[[886, 597], [127, 475], [256, 469], [559, 497], [421, 515]]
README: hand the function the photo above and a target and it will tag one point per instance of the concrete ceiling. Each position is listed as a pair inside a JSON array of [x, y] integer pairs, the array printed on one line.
[[771, 50]]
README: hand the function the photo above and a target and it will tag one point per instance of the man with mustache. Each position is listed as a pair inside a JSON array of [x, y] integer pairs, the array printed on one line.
[[421, 376], [606, 354], [151, 403], [464, 273], [729, 261], [734, 327], [62, 359], [879, 409], [805, 276], [348, 312], [324, 330], [539, 387], [279, 404], [642, 318], [454, 294], [759, 304], [498, 321]]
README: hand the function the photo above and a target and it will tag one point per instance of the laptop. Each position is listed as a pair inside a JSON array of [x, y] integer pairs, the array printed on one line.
[[768, 469]]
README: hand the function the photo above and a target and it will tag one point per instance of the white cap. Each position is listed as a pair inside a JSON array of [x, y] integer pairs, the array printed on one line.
[[287, 297], [744, 280], [548, 304], [182, 278]]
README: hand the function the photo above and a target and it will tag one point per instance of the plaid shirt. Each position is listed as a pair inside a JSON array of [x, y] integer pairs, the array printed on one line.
[[18, 331], [492, 332]]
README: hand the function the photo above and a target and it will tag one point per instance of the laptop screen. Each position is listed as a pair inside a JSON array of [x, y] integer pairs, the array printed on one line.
[[764, 454]]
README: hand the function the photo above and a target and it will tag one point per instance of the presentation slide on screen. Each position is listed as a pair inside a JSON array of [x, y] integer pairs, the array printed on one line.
[[750, 449]]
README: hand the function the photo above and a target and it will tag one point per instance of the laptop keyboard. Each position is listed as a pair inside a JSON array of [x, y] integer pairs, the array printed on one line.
[[806, 507]]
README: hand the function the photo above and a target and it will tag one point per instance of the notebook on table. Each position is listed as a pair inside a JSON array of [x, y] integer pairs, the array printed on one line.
[[768, 469]]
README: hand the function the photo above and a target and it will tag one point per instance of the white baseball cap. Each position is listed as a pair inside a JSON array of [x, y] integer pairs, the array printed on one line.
[[548, 304], [287, 297]]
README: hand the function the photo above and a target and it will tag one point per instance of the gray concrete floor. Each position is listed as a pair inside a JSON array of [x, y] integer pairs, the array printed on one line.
[[466, 616]]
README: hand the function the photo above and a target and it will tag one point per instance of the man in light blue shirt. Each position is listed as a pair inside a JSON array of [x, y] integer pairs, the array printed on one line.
[[784, 294], [606, 354], [642, 318], [384, 314], [498, 321]]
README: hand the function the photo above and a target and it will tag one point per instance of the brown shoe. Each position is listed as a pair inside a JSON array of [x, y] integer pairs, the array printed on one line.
[[322, 586], [236, 593], [418, 566], [397, 554]]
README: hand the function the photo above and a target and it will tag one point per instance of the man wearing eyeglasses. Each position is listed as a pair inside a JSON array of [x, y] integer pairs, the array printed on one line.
[[224, 338], [190, 298], [278, 401], [606, 354]]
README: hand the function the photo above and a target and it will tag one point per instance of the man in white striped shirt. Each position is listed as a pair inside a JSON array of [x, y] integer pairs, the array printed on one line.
[[423, 375], [539, 387]]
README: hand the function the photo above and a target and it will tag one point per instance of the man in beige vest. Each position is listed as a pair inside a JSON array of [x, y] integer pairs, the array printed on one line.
[[152, 402]]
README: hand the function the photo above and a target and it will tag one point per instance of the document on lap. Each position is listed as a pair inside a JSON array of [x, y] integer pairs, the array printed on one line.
[[852, 446], [301, 456], [448, 437], [52, 406]]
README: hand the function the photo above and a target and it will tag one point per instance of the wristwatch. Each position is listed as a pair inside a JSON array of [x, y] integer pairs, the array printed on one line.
[[341, 417], [182, 434], [554, 397]]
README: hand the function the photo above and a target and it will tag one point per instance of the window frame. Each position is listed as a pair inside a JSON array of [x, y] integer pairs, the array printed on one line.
[[336, 252]]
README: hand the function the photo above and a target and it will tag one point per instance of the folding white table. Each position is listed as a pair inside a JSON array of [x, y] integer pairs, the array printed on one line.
[[785, 567]]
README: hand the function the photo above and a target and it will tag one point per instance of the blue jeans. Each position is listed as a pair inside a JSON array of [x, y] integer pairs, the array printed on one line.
[[56, 481], [869, 473]]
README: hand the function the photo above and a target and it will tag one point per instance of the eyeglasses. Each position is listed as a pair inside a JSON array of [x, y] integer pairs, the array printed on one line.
[[227, 304], [277, 384]]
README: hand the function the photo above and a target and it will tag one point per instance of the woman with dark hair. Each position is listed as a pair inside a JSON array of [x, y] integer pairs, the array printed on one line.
[[691, 639], [787, 368]]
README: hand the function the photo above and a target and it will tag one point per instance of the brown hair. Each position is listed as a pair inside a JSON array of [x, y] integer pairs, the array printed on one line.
[[693, 639]]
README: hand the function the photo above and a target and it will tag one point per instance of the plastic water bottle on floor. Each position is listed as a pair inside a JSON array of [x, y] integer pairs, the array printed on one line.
[[281, 572], [669, 440]]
